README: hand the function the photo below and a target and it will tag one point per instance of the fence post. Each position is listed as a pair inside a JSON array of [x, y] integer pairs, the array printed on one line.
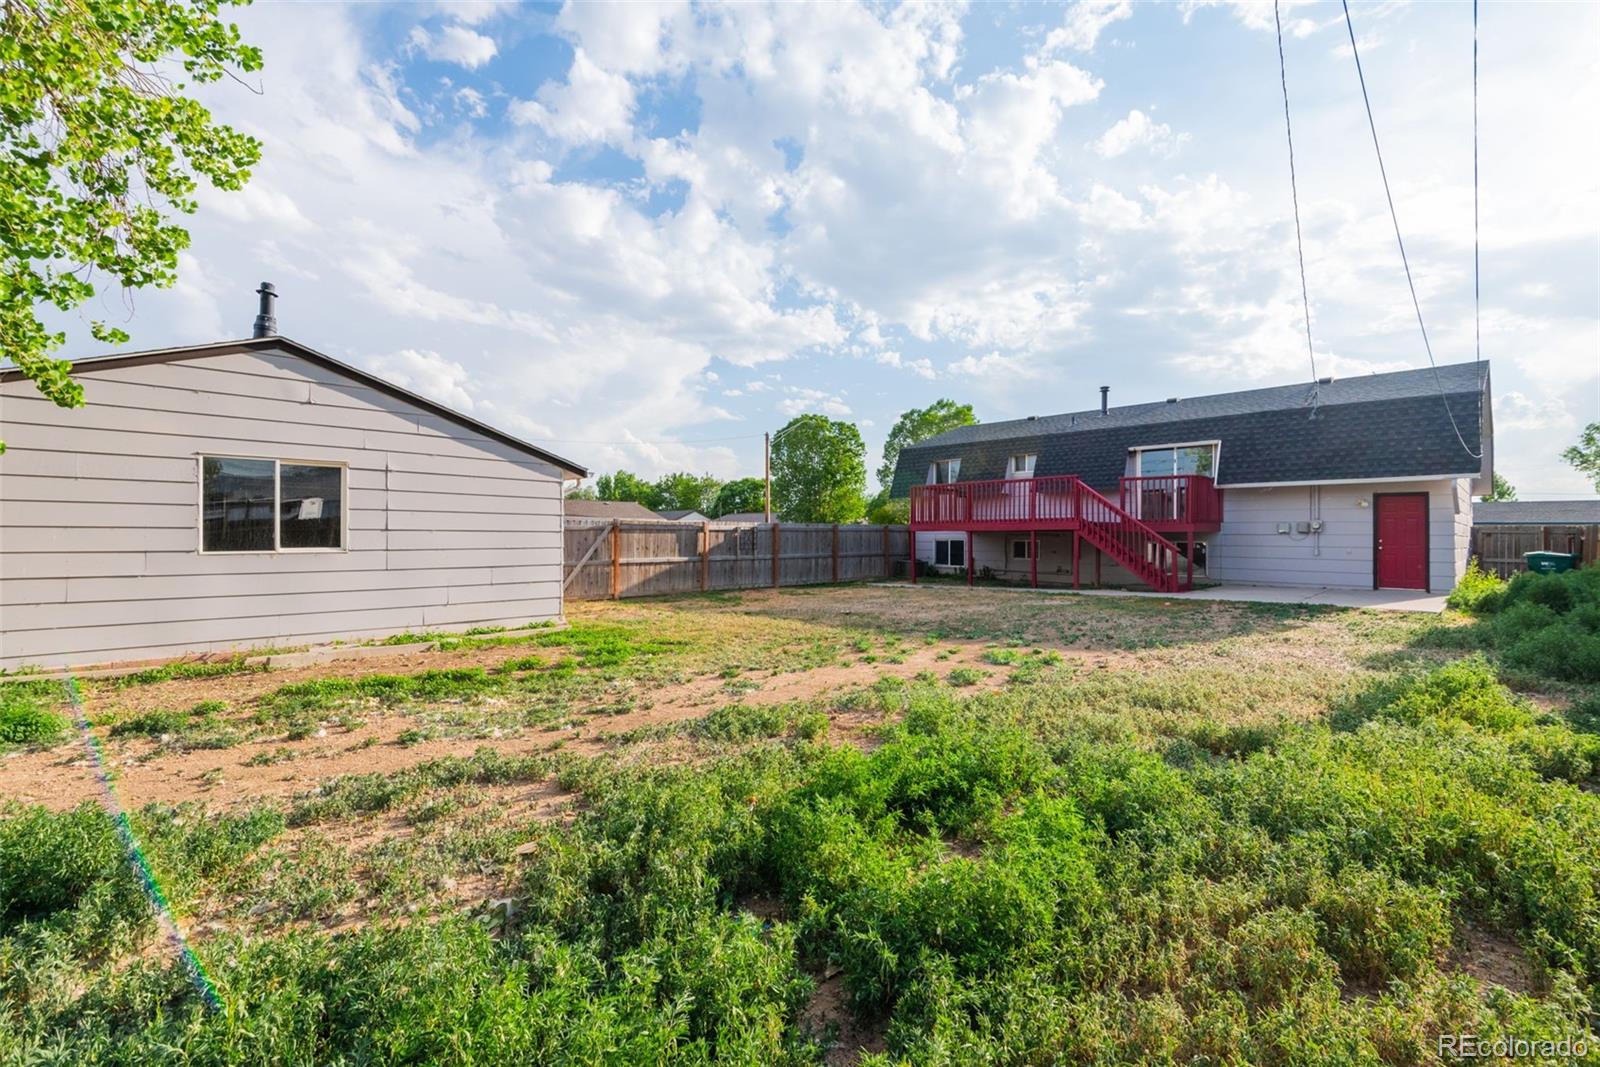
[[616, 558], [836, 553], [705, 556], [777, 541]]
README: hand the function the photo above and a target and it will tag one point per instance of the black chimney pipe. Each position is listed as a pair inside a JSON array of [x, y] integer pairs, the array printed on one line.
[[1105, 398], [267, 317]]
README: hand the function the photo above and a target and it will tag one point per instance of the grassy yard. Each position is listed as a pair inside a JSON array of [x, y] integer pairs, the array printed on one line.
[[837, 825]]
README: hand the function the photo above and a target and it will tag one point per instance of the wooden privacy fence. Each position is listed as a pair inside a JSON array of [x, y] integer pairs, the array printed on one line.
[[1500, 548], [619, 558]]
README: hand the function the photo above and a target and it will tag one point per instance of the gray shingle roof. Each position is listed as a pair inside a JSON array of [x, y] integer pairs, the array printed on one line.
[[1536, 513], [1390, 425], [608, 509]]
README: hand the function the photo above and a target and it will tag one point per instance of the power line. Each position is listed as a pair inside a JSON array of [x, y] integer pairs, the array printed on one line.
[[1294, 194], [1400, 241]]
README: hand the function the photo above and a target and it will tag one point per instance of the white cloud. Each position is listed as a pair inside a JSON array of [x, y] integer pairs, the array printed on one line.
[[1138, 130], [455, 44], [922, 368], [803, 400], [427, 372], [471, 102], [1084, 23], [593, 104]]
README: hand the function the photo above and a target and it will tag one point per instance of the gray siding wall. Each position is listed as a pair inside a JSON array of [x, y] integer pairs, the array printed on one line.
[[1249, 550], [99, 523]]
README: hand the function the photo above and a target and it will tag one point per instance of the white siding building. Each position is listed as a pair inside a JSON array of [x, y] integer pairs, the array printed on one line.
[[258, 493]]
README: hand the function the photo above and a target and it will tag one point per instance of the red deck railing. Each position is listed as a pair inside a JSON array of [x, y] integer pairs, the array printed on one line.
[[1164, 501], [1173, 499]]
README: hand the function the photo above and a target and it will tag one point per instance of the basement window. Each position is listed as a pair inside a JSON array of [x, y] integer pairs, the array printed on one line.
[[270, 505], [1019, 548], [950, 552]]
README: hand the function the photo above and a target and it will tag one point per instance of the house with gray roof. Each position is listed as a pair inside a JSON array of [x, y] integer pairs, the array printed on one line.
[[1363, 482], [249, 493]]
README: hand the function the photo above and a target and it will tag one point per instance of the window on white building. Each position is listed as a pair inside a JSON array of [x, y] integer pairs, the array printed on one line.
[[950, 552], [270, 505]]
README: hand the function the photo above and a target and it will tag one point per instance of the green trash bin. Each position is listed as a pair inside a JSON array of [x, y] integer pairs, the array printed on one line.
[[1550, 562]]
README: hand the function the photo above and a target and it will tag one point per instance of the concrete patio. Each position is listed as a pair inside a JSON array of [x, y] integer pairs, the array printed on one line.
[[1377, 599]]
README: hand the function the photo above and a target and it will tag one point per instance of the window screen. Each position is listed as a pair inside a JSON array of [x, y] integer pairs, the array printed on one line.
[[309, 506], [237, 506]]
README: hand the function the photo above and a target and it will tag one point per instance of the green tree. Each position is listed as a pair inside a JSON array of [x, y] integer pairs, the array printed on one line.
[[1585, 455], [99, 147], [583, 492], [819, 471], [919, 424], [683, 491], [741, 494], [625, 485], [886, 512], [1501, 490]]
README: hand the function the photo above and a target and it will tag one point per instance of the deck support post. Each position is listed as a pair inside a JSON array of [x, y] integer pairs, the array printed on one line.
[[969, 557], [1189, 580], [1077, 554], [1097, 555], [1033, 556]]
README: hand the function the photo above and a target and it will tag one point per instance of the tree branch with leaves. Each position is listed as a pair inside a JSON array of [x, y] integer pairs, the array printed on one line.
[[99, 149]]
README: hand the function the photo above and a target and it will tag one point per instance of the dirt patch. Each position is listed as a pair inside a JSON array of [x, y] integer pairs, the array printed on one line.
[[827, 1016], [1494, 958]]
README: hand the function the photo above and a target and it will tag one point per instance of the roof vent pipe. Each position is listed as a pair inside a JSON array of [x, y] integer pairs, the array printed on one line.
[[1105, 398], [267, 318]]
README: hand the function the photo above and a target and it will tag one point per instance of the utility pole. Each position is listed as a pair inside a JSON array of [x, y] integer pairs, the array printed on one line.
[[766, 447]]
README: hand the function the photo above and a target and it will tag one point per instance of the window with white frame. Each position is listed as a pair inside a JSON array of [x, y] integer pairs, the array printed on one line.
[[1020, 465], [944, 471], [1020, 548], [1176, 459], [270, 505], [950, 552]]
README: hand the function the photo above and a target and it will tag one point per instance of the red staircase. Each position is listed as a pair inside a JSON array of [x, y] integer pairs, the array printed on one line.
[[1138, 547]]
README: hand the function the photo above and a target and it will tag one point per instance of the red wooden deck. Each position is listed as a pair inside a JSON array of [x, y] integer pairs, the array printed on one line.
[[1129, 530]]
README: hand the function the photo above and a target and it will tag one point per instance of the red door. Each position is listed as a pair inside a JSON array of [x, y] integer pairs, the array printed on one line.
[[1402, 540]]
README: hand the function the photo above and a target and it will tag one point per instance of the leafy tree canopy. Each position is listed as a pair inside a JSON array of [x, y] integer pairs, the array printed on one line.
[[682, 491], [885, 512], [1585, 455], [741, 494], [99, 146], [919, 424], [1502, 490], [625, 485], [819, 471], [583, 492]]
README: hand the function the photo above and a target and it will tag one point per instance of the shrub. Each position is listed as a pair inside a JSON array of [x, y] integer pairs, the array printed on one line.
[[26, 718], [1477, 591], [1547, 624]]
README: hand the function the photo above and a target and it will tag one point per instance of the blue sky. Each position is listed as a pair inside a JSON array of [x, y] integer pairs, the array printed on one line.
[[645, 234]]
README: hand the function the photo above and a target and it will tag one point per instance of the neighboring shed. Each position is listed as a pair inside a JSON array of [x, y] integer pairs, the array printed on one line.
[[258, 492], [629, 510], [1503, 531]]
